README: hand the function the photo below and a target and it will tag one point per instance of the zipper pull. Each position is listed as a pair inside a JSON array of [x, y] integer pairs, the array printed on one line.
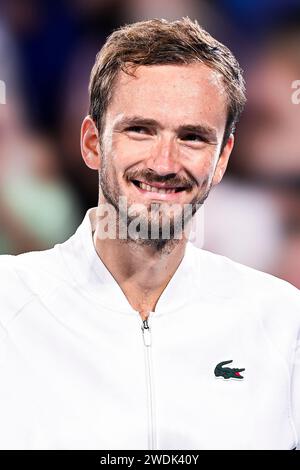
[[146, 333]]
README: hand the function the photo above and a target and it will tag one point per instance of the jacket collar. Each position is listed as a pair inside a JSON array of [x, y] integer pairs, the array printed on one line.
[[94, 279]]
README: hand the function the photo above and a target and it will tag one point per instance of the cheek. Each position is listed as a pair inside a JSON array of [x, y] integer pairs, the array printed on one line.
[[126, 152], [201, 164]]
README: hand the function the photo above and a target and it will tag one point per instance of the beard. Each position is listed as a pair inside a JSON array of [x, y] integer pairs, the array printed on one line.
[[158, 225]]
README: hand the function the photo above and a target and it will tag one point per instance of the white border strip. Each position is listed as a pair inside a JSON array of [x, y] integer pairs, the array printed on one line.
[[2, 92]]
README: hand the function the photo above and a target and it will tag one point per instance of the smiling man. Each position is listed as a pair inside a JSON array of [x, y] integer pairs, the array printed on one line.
[[160, 134], [127, 336]]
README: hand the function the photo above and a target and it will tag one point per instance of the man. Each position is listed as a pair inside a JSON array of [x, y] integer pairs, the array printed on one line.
[[126, 336]]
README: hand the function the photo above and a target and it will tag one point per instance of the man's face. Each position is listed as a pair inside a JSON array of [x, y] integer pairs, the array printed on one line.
[[162, 138]]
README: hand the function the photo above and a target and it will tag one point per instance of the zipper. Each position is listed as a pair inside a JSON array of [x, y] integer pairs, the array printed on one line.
[[149, 377], [146, 332]]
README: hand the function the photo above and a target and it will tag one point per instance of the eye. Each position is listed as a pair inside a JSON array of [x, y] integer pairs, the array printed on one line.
[[137, 129], [192, 137]]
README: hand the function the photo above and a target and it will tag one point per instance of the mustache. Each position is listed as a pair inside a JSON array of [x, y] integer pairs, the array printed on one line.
[[149, 176]]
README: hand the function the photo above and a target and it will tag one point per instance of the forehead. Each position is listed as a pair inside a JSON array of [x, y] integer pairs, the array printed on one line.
[[171, 94]]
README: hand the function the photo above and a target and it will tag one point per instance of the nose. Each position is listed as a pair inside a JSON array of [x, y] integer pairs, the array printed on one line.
[[164, 157]]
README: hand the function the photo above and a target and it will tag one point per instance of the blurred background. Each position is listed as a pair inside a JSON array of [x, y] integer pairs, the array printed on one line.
[[47, 49]]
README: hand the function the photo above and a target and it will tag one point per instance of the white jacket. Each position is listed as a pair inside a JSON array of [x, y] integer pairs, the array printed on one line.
[[78, 372]]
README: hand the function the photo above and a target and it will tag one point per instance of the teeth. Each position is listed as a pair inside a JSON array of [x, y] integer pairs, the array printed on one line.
[[156, 190]]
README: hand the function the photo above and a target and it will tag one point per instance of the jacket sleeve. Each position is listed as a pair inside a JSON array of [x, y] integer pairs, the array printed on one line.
[[13, 291]]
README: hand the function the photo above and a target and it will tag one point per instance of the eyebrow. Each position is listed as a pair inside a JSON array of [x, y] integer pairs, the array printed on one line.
[[204, 130]]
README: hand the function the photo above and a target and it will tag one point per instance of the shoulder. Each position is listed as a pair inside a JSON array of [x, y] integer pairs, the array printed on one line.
[[27, 276], [226, 278], [270, 303]]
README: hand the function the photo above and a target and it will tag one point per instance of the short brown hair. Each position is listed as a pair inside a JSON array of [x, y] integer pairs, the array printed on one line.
[[159, 41]]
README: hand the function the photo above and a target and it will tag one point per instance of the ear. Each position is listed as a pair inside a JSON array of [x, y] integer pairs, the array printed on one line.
[[223, 161], [89, 143]]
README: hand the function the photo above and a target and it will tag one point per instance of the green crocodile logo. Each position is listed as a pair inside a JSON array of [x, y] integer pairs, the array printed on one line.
[[227, 372]]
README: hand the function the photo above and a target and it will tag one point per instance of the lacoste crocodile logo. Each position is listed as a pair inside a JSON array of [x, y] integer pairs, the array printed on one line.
[[227, 372]]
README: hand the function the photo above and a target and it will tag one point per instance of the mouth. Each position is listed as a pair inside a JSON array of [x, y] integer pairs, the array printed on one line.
[[237, 374], [158, 188]]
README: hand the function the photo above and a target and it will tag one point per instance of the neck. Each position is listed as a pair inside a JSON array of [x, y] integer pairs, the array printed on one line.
[[141, 271]]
